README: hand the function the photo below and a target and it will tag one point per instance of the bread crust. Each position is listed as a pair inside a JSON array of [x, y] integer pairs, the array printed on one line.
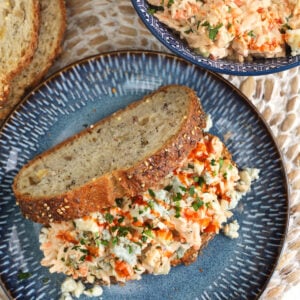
[[29, 77], [102, 192], [26, 58]]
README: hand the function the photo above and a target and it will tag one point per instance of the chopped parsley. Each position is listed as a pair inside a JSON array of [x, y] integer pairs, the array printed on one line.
[[177, 197], [182, 188], [123, 231], [115, 240], [177, 210], [148, 232], [192, 190], [212, 31], [170, 2], [121, 219], [168, 188], [284, 28], [82, 258], [45, 280], [151, 193], [119, 202], [23, 275], [221, 162], [109, 217], [197, 204], [200, 180], [151, 204], [251, 33], [104, 242], [188, 31]]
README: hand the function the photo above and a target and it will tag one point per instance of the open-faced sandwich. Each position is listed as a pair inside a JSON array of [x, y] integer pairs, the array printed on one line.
[[142, 190]]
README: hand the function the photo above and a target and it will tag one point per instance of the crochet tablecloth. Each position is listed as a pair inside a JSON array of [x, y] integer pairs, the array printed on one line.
[[96, 26]]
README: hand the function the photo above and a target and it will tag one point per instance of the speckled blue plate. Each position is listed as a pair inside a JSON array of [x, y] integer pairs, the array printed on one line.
[[87, 91], [180, 47]]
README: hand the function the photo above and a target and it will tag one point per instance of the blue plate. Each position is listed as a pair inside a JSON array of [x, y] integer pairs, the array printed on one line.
[[180, 47], [89, 90]]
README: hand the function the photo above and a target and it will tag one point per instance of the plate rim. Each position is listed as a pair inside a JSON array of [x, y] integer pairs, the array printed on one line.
[[207, 66], [119, 53]]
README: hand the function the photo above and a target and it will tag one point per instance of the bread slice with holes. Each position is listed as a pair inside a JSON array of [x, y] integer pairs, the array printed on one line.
[[19, 25], [52, 28], [122, 155]]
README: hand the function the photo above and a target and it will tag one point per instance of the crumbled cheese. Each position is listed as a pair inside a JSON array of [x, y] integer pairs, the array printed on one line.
[[95, 291], [70, 288], [87, 224], [293, 40], [209, 123], [231, 230]]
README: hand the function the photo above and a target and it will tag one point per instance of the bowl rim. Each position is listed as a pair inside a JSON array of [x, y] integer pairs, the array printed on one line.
[[226, 71]]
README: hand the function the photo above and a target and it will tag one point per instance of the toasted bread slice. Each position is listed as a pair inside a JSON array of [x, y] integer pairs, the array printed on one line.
[[52, 28], [123, 154], [19, 25]]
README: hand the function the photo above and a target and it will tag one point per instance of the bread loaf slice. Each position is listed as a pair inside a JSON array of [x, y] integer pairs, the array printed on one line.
[[19, 24], [123, 154], [51, 32]]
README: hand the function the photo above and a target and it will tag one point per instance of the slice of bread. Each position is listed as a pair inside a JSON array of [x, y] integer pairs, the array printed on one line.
[[123, 154], [52, 28], [19, 24]]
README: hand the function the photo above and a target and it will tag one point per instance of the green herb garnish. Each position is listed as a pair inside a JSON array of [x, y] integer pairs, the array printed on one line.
[[251, 33], [119, 202], [109, 217], [170, 2], [197, 204], [151, 204], [192, 190], [168, 188], [212, 31], [221, 162], [151, 193], [104, 243]]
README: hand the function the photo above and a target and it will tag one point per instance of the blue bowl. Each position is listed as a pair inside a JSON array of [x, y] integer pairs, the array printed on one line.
[[178, 46]]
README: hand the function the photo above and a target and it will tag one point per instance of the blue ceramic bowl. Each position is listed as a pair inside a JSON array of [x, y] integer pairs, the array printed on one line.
[[89, 90], [180, 48]]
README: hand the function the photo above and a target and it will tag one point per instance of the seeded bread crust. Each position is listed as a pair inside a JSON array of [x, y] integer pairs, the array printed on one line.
[[52, 28], [20, 23], [102, 191]]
